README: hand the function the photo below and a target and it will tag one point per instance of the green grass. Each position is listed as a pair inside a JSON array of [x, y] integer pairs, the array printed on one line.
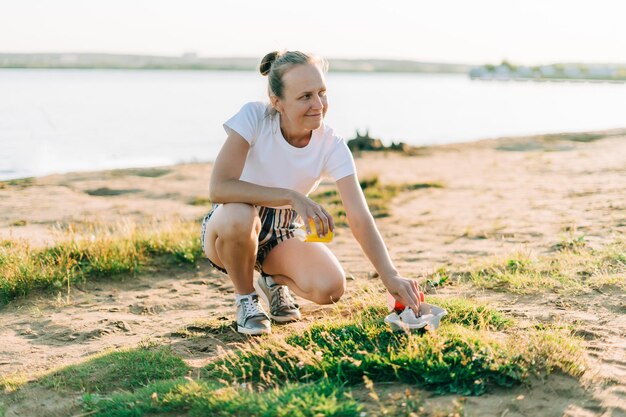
[[200, 201], [108, 192], [20, 182], [202, 398], [96, 253], [438, 278], [141, 172], [103, 251], [218, 326], [315, 371], [576, 137], [572, 268], [10, 383], [463, 357], [472, 314], [127, 370], [571, 243], [378, 198]]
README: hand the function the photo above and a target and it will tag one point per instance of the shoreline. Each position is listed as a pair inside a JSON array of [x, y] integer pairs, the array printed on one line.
[[32, 208], [544, 138]]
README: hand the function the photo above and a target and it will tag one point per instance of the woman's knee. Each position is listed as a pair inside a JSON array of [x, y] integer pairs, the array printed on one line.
[[238, 221], [330, 290]]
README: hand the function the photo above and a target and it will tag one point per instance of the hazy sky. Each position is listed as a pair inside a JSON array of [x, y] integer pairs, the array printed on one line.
[[470, 31]]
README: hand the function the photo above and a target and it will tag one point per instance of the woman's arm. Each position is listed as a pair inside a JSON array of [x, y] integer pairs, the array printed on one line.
[[366, 233], [226, 187]]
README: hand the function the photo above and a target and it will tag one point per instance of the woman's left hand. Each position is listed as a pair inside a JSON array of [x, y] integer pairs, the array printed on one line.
[[405, 290]]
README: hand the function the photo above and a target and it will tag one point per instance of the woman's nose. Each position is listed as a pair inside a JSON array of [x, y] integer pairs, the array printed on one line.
[[318, 102]]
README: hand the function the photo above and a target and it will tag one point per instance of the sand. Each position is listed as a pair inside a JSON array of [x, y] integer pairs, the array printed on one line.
[[499, 197]]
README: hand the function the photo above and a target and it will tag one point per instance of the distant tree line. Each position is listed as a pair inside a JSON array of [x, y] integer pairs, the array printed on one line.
[[191, 61], [571, 71]]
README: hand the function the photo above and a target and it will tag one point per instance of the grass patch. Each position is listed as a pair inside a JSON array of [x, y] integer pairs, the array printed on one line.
[[200, 398], [457, 359], [11, 383], [98, 252], [571, 243], [118, 370], [141, 172], [378, 198], [200, 201], [472, 314], [101, 251], [314, 372], [218, 326], [439, 278], [573, 268], [108, 192], [19, 182], [577, 137]]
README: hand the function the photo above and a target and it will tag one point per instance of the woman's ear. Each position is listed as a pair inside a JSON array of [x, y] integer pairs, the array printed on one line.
[[275, 101]]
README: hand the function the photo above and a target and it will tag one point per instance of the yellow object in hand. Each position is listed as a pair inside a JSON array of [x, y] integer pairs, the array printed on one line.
[[313, 237]]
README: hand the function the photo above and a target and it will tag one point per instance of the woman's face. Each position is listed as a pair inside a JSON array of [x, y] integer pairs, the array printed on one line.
[[304, 104]]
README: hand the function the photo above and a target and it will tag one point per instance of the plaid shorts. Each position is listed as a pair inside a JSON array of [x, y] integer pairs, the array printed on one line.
[[277, 225]]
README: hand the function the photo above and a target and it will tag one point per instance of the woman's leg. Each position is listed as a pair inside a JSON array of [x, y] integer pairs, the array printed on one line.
[[231, 241], [308, 269]]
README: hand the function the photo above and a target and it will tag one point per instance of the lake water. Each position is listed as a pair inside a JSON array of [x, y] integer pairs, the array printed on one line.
[[54, 121]]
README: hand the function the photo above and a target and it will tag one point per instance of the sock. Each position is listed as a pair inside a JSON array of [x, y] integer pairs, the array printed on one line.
[[238, 297], [270, 282]]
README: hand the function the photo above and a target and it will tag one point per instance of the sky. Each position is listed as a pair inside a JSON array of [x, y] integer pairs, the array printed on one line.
[[464, 31]]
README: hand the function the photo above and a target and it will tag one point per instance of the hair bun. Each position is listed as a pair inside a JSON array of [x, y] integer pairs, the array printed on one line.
[[267, 61]]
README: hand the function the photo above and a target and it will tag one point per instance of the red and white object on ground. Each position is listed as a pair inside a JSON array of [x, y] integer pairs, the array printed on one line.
[[404, 318], [397, 306]]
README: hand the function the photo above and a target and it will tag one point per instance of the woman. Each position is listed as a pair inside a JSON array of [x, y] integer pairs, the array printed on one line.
[[273, 157]]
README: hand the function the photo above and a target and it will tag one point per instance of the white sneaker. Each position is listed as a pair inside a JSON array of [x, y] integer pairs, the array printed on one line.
[[428, 318], [251, 318]]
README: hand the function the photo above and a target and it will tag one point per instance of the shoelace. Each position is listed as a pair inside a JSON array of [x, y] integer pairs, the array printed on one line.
[[282, 298], [251, 307]]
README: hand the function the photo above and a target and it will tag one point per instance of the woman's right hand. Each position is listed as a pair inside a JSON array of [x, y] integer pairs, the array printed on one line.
[[406, 291], [309, 209]]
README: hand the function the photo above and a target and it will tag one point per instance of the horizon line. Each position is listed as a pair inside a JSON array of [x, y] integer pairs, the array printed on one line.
[[192, 54]]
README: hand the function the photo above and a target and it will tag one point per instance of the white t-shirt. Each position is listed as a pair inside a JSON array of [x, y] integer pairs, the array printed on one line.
[[273, 162]]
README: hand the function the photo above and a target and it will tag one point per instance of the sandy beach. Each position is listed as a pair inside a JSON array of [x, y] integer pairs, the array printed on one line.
[[499, 197]]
